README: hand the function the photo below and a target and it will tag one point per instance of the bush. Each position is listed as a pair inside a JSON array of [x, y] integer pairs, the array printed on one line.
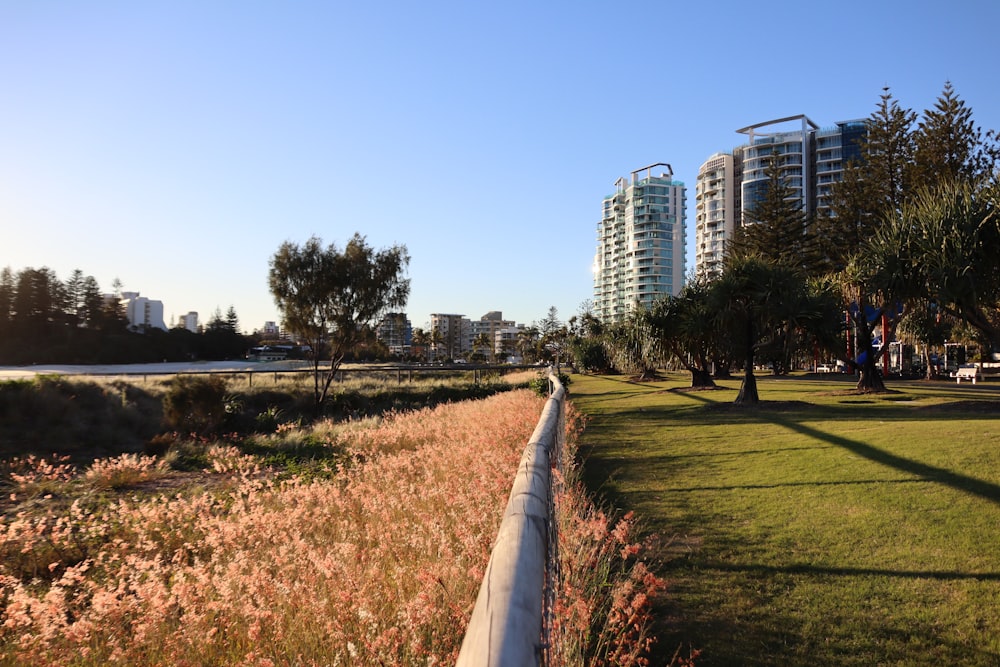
[[122, 471], [195, 404], [540, 385], [590, 355]]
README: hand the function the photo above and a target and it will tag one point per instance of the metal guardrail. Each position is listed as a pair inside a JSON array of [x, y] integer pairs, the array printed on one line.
[[509, 622]]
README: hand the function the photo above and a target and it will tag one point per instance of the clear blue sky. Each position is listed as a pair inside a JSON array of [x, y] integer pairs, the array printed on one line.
[[175, 145]]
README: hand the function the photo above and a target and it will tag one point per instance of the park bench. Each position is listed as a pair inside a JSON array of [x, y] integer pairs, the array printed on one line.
[[967, 373]]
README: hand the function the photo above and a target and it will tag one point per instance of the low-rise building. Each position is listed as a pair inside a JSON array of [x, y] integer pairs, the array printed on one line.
[[449, 335], [488, 325]]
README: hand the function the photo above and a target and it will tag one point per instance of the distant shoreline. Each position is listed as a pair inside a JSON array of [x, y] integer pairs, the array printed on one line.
[[239, 365]]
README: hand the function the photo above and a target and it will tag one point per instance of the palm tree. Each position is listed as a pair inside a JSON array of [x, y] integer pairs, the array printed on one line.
[[527, 343], [436, 339], [419, 342], [482, 340]]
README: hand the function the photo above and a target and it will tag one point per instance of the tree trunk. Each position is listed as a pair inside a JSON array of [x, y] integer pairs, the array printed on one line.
[[748, 389], [317, 393], [870, 380], [702, 379], [647, 375]]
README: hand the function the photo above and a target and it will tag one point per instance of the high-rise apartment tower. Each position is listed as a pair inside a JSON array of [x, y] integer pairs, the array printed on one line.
[[729, 185], [640, 243], [717, 211]]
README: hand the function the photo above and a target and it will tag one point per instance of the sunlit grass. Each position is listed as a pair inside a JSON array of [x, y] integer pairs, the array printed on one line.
[[820, 528], [89, 417], [332, 543]]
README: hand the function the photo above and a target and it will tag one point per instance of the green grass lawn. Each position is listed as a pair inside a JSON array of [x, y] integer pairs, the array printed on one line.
[[818, 528]]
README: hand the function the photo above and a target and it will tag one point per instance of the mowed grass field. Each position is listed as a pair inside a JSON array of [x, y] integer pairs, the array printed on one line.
[[821, 527]]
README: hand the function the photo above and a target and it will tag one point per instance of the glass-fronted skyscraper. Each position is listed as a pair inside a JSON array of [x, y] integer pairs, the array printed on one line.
[[794, 151], [810, 159], [835, 147], [640, 243]]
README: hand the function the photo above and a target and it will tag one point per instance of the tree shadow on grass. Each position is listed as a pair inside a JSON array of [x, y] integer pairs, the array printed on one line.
[[971, 485], [777, 414], [782, 485], [757, 634], [795, 568]]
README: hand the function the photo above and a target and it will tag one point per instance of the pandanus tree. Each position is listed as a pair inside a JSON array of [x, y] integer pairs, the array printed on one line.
[[633, 346], [762, 303], [923, 324], [871, 304], [944, 249], [912, 223], [685, 327], [742, 303]]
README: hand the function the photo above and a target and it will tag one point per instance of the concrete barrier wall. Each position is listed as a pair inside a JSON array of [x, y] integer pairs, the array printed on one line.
[[506, 627]]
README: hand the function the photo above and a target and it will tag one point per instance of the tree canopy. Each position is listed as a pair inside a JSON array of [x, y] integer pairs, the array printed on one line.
[[332, 297], [943, 249], [907, 231]]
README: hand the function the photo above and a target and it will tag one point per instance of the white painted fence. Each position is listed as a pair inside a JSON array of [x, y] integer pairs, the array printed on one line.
[[507, 627]]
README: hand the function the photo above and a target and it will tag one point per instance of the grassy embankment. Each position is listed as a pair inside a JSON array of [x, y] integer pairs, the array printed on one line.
[[293, 542], [90, 417], [819, 528]]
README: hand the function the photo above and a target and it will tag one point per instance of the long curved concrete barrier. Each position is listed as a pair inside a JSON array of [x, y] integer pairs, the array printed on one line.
[[506, 628]]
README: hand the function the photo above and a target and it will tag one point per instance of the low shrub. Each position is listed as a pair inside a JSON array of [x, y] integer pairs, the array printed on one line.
[[196, 404], [542, 387], [124, 470]]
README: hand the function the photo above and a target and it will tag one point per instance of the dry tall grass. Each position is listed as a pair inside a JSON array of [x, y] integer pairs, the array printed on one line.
[[379, 564]]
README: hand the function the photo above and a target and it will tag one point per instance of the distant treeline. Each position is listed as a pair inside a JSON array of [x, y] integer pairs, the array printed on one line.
[[45, 320]]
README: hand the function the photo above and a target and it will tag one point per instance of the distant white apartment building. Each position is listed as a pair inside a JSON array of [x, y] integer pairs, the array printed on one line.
[[189, 322], [143, 313], [271, 330], [717, 212], [640, 243], [506, 343]]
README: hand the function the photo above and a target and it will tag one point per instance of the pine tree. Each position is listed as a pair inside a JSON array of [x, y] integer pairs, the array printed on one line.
[[778, 228], [948, 144], [232, 321], [93, 303], [7, 291], [74, 297], [887, 153], [873, 188]]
